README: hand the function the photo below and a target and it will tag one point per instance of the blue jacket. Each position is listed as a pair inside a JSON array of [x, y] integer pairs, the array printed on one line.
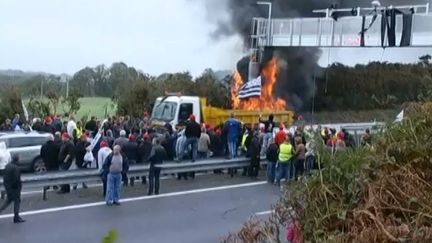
[[233, 128]]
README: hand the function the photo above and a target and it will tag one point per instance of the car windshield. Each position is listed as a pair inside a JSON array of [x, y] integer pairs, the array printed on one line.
[[165, 111]]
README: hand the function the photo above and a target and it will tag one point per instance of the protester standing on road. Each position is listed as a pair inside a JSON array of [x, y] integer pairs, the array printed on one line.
[[77, 132], [268, 131], [232, 128], [47, 126], [280, 135], [103, 154], [285, 166], [310, 155], [254, 150], [66, 157], [130, 150], [91, 126], [157, 156], [80, 151], [300, 156], [122, 140], [71, 126], [272, 157], [50, 154], [114, 168], [13, 185], [203, 144], [192, 133]]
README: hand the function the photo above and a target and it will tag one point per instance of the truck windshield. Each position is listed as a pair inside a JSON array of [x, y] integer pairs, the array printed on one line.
[[165, 111]]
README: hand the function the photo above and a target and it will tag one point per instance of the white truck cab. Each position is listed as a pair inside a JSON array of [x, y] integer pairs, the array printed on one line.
[[175, 110]]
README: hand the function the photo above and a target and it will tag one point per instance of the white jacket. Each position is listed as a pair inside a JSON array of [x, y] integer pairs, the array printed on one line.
[[71, 125], [5, 156], [102, 155]]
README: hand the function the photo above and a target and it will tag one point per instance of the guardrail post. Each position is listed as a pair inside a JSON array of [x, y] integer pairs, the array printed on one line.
[[45, 193]]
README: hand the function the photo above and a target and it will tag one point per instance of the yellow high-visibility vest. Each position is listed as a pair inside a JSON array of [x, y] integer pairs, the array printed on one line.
[[285, 152]]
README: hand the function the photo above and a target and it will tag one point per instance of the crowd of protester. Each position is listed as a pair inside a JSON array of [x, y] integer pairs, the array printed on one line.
[[112, 145]]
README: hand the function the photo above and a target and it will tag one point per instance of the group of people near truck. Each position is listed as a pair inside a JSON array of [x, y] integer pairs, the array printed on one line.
[[113, 145]]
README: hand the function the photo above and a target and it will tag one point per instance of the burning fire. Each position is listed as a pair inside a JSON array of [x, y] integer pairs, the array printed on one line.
[[266, 101]]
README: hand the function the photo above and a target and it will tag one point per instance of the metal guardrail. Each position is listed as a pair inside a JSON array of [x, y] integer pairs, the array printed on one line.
[[93, 175]]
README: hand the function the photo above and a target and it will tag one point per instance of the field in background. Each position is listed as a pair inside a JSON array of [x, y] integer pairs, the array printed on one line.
[[95, 106], [91, 106]]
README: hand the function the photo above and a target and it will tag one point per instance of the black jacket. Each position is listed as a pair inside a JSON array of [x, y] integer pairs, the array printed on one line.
[[157, 155], [12, 180], [272, 152], [91, 126], [144, 150], [48, 129], [50, 154], [254, 148], [193, 129], [80, 151], [130, 149], [66, 155]]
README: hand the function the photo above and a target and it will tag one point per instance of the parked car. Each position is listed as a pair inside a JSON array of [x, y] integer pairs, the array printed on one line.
[[27, 146]]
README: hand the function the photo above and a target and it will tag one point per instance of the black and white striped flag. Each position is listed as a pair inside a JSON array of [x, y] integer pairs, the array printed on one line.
[[251, 88]]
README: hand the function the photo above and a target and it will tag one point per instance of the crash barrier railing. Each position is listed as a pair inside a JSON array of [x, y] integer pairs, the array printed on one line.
[[93, 175]]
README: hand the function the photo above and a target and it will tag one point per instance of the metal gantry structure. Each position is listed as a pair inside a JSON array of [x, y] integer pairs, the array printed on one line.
[[340, 28]]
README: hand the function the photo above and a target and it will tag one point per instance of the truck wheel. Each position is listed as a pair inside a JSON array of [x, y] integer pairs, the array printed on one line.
[[39, 166]]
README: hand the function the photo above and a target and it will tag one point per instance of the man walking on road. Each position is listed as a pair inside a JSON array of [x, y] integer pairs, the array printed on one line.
[[157, 156], [13, 185], [114, 167]]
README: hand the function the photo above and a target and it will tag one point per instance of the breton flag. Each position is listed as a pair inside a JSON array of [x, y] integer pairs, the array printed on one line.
[[251, 88]]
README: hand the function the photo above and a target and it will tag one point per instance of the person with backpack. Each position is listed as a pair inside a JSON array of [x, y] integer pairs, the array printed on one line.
[[115, 167]]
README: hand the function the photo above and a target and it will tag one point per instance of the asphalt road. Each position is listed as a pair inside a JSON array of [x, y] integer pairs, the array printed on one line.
[[201, 212]]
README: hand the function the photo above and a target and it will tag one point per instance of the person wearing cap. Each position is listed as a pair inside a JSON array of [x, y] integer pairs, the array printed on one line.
[[47, 126], [130, 149], [12, 183], [122, 140], [280, 135], [103, 153], [192, 133], [66, 157]]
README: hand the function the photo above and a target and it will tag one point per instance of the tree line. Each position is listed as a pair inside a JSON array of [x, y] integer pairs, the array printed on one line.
[[377, 85]]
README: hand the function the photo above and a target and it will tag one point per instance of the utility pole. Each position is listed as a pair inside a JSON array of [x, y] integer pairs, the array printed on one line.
[[41, 88], [67, 87]]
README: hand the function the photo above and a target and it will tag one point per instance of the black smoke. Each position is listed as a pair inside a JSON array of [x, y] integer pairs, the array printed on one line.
[[299, 65]]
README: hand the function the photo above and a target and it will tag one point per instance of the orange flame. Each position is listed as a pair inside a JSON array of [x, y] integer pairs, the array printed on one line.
[[266, 101]]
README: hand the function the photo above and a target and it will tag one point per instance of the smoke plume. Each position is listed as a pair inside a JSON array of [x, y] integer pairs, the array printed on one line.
[[295, 81]]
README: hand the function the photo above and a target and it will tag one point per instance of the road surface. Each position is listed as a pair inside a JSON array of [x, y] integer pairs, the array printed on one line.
[[204, 210]]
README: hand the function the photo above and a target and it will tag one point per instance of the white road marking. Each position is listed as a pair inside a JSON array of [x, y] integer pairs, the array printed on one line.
[[171, 194], [264, 213]]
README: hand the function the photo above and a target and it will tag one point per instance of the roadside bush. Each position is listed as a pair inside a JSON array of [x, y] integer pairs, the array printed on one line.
[[381, 194]]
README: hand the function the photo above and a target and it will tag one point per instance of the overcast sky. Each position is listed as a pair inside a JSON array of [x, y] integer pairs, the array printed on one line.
[[63, 36]]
